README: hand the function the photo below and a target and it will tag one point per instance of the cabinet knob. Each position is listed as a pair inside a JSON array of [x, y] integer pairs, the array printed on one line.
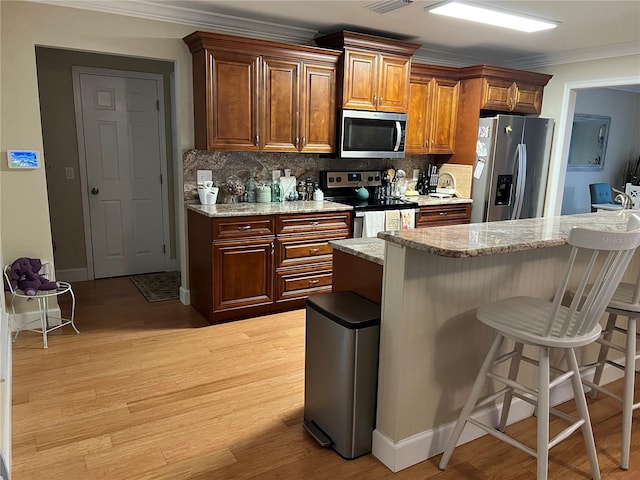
[[426, 144], [297, 141], [374, 100], [257, 140], [315, 223], [444, 214], [244, 227], [314, 251], [313, 282]]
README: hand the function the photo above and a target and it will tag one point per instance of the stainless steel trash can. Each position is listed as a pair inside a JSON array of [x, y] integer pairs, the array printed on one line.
[[341, 371]]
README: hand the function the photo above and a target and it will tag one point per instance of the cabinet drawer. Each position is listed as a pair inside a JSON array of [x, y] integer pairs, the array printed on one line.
[[242, 227], [443, 215], [305, 250], [316, 222], [298, 283]]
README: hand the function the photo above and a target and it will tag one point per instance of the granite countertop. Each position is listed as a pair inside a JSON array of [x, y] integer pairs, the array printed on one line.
[[243, 209], [371, 249], [489, 238]]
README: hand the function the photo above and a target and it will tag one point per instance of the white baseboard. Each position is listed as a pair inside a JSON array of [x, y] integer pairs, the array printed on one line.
[[427, 444], [24, 320], [185, 296], [72, 275]]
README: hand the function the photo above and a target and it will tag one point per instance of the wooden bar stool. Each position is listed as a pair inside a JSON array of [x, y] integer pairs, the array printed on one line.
[[625, 302], [551, 325]]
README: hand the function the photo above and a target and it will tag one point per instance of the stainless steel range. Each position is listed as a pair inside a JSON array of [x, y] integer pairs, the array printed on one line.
[[342, 187]]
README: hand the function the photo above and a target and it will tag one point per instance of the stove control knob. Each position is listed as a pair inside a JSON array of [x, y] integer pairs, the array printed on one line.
[[338, 179], [331, 180], [377, 178], [369, 179]]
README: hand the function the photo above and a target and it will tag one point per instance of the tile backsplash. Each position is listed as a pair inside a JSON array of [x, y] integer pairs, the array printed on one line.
[[244, 164]]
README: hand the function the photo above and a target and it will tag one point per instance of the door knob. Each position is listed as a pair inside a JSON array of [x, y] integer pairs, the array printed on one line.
[[95, 191]]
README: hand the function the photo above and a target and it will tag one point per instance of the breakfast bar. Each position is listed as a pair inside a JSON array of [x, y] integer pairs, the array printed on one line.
[[431, 344]]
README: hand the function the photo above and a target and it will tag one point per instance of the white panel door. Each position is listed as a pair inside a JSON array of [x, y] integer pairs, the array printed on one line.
[[123, 148]]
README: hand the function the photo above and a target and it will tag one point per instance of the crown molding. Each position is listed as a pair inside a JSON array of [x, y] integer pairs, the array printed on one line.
[[581, 55], [197, 18]]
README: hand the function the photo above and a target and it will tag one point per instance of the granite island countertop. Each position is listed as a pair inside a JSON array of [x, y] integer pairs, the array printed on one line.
[[490, 238], [371, 248]]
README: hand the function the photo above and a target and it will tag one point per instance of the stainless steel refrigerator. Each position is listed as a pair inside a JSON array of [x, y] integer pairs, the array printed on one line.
[[511, 167]]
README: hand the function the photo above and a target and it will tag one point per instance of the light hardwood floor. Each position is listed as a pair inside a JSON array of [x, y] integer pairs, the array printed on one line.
[[150, 391]]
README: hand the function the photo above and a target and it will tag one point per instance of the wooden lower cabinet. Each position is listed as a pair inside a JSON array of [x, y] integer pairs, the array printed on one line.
[[438, 215], [241, 267]]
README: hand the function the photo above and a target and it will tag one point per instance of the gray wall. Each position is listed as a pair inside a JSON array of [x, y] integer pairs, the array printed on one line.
[[622, 146]]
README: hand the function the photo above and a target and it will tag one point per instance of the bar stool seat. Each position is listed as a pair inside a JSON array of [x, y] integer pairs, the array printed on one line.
[[550, 325], [45, 323]]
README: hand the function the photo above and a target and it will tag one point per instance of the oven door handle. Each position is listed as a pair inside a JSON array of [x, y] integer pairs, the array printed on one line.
[[398, 136]]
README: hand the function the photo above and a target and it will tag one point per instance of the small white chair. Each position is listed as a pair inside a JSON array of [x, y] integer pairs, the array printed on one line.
[[625, 302], [551, 325], [42, 298]]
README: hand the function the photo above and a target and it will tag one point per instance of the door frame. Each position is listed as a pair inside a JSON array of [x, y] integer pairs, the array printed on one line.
[[84, 185], [564, 125]]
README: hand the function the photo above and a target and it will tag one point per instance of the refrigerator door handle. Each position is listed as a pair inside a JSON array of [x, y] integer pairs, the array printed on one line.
[[521, 178]]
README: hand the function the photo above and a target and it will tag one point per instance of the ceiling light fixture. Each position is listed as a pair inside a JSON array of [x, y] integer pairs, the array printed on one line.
[[388, 5], [491, 16]]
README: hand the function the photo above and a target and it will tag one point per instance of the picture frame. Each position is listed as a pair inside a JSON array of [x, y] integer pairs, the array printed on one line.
[[588, 145], [23, 159]]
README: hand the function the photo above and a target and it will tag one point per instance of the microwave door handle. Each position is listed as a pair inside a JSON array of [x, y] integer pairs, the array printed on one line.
[[398, 136]]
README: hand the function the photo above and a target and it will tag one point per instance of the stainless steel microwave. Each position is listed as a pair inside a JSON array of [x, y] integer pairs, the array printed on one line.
[[364, 134]]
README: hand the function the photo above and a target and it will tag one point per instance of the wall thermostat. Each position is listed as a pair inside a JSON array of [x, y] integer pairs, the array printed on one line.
[[23, 158]]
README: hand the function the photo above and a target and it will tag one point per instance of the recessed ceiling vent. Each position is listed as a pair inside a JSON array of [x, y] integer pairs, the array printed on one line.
[[386, 6]]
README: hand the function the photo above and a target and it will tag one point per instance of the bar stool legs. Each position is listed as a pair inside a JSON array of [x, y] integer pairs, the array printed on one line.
[[627, 399]]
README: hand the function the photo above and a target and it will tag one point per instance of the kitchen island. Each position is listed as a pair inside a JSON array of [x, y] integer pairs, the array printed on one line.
[[431, 344]]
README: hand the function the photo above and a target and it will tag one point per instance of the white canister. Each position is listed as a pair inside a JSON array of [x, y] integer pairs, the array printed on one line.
[[263, 194], [318, 195]]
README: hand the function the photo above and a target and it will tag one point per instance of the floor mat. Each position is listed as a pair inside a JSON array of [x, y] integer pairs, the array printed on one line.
[[157, 287]]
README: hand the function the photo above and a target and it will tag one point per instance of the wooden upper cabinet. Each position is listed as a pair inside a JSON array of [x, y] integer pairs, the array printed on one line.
[[375, 71], [433, 109], [259, 95], [393, 84], [231, 93], [280, 131], [318, 108], [360, 81], [511, 96]]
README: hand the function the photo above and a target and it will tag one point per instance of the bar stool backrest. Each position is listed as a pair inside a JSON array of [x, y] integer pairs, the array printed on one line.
[[599, 280]]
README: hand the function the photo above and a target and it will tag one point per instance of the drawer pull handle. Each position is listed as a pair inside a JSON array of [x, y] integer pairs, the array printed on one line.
[[245, 227], [314, 251], [444, 213], [313, 282], [315, 223]]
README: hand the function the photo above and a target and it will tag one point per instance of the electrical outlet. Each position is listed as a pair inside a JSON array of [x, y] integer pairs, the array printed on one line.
[[204, 176], [69, 173]]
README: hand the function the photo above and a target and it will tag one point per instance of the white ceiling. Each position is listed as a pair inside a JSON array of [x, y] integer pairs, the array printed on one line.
[[588, 29]]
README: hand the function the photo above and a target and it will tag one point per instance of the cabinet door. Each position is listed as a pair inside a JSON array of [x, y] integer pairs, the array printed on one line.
[[232, 87], [443, 117], [528, 98], [498, 94], [280, 105], [393, 87], [318, 109], [243, 274], [360, 80], [418, 118]]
